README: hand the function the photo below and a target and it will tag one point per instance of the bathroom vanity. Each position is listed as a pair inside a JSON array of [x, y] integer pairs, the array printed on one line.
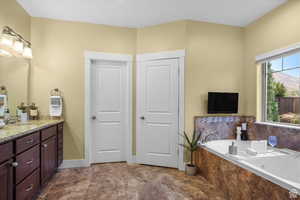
[[30, 154]]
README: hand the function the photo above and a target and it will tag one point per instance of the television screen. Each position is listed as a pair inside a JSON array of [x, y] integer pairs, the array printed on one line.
[[223, 102]]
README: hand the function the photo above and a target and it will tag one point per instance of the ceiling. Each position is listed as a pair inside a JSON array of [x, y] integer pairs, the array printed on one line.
[[141, 13]]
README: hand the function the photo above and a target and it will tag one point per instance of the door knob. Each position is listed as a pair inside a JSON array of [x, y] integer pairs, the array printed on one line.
[[94, 118], [142, 118]]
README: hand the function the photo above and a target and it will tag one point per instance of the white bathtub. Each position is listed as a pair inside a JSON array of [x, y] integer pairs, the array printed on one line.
[[280, 166]]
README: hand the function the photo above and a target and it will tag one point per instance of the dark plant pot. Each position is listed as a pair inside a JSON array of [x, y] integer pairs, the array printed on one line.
[[190, 170]]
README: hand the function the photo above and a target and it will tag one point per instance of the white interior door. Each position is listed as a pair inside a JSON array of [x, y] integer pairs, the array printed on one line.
[[157, 113], [109, 107]]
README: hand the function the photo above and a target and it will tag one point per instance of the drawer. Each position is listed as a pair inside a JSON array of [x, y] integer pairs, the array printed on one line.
[[26, 142], [6, 151], [27, 163], [48, 132], [28, 189]]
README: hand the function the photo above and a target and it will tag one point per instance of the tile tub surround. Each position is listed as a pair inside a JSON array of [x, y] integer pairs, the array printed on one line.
[[13, 131], [235, 182], [120, 181], [287, 137], [225, 128]]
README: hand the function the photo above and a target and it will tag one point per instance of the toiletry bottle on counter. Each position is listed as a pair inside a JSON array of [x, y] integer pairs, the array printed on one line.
[[244, 135], [33, 112], [233, 149], [238, 133]]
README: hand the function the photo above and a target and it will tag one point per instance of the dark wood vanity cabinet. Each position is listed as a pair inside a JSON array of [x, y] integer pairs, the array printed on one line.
[[6, 181], [48, 159], [28, 162]]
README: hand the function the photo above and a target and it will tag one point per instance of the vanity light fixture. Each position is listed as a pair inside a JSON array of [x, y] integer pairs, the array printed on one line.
[[5, 53], [12, 43], [27, 52]]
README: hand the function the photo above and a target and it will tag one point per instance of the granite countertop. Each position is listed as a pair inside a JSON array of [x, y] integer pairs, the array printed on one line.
[[13, 131]]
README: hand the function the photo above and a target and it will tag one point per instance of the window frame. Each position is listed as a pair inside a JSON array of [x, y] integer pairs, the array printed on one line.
[[264, 95]]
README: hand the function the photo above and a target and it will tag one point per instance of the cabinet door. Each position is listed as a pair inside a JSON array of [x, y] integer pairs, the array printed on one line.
[[60, 144], [48, 159], [6, 181]]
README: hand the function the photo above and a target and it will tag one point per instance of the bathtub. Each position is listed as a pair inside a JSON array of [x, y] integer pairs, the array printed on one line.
[[280, 166]]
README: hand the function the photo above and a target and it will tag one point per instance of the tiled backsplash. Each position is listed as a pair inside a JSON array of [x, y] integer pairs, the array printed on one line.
[[224, 127]]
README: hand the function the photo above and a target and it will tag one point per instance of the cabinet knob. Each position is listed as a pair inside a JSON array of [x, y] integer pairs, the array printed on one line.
[[45, 145], [94, 117], [14, 164], [142, 118]]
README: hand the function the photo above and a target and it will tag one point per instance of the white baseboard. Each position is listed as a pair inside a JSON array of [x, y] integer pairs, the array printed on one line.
[[181, 166], [132, 160], [74, 164]]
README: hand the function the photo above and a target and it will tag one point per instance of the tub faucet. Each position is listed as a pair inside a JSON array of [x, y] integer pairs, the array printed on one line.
[[207, 136]]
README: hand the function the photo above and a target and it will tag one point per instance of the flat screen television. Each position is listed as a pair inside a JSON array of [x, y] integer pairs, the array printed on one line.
[[223, 103]]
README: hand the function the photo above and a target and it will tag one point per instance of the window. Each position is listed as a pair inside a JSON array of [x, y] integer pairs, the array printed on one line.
[[281, 89]]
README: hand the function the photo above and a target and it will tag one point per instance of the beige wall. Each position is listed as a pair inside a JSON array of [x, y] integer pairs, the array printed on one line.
[[214, 62], [59, 63], [14, 71], [163, 37], [278, 29]]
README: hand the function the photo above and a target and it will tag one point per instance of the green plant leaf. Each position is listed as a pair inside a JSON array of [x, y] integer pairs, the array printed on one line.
[[187, 139], [186, 147]]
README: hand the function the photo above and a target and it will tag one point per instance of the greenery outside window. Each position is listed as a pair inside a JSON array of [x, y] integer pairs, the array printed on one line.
[[281, 89]]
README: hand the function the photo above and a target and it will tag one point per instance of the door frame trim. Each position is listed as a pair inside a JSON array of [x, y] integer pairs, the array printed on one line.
[[180, 55], [89, 56]]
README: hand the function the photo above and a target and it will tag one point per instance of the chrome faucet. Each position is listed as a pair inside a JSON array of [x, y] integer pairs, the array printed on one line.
[[205, 139]]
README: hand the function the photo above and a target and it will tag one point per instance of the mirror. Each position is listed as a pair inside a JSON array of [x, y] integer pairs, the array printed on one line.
[[14, 75]]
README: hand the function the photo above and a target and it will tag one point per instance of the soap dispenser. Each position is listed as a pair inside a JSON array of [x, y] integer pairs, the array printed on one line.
[[233, 149]]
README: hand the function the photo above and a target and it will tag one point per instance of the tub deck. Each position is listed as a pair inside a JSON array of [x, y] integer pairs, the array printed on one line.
[[236, 182]]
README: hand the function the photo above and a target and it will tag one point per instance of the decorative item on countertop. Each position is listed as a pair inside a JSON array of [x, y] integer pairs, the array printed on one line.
[[272, 140], [19, 110], [3, 101], [56, 103], [24, 115], [233, 149], [33, 112], [238, 133], [244, 135]]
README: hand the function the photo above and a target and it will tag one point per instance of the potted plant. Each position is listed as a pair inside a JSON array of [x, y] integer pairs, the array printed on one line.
[[191, 146]]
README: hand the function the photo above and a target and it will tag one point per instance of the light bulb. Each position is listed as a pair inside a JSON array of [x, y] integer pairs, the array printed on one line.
[[19, 46], [6, 40], [27, 53], [5, 53]]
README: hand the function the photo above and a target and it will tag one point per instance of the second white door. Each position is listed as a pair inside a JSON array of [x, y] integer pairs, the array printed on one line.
[[109, 108], [157, 112]]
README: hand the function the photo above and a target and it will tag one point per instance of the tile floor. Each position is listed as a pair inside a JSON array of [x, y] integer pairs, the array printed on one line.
[[120, 181]]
